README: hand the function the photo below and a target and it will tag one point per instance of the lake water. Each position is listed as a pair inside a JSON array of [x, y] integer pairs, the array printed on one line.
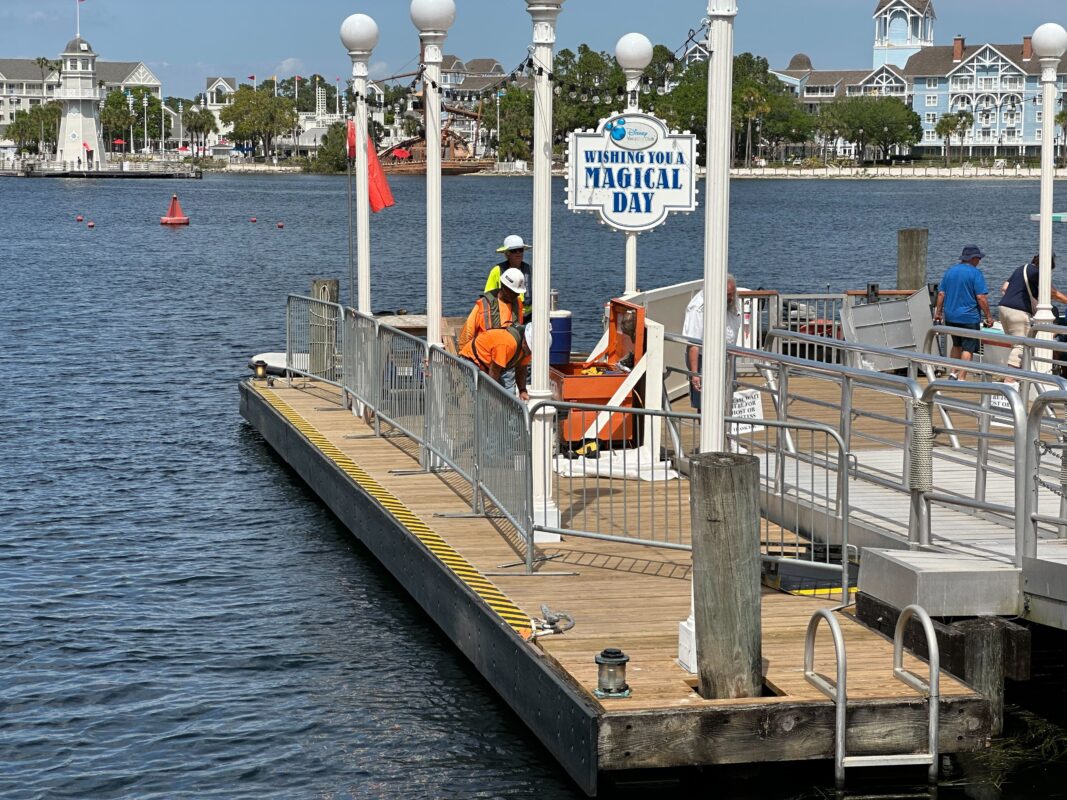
[[180, 615]]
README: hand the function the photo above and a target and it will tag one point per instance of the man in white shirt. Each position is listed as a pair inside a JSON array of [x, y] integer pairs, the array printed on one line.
[[693, 328]]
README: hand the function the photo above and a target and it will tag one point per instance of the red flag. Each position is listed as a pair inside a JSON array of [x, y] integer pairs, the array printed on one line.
[[380, 195], [250, 77], [351, 139], [84, 144]]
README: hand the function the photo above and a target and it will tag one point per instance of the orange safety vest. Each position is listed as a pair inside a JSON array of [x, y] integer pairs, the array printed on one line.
[[490, 316], [470, 350]]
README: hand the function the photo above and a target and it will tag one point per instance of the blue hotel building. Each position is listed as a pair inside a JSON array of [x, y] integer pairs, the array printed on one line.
[[1000, 84]]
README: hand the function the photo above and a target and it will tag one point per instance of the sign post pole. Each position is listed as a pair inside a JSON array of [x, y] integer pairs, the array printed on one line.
[[634, 53], [716, 256]]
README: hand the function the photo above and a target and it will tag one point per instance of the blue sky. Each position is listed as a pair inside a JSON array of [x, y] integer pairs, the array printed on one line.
[[187, 40]]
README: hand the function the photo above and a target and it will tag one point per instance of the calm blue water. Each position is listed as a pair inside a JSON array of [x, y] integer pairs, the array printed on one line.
[[179, 617]]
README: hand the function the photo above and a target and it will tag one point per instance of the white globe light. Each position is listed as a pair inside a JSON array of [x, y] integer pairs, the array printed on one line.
[[634, 51], [532, 3], [433, 15], [359, 32], [1050, 41]]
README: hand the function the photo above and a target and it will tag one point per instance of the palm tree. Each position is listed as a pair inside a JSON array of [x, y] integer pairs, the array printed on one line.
[[1061, 120], [45, 65], [965, 123], [946, 128]]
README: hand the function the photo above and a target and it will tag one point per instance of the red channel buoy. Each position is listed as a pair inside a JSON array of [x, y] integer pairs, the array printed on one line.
[[281, 225], [253, 219], [175, 215], [91, 224], [79, 218]]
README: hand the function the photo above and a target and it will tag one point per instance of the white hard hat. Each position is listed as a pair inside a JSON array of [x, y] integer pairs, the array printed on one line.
[[513, 243], [514, 280], [528, 335]]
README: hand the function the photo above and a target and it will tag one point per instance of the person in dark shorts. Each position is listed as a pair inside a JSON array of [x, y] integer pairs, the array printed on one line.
[[963, 302]]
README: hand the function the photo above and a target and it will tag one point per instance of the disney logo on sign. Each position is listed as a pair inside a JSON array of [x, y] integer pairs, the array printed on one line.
[[631, 134]]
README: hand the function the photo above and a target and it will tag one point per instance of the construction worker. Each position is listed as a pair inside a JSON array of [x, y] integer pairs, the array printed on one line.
[[499, 350], [497, 308], [514, 250]]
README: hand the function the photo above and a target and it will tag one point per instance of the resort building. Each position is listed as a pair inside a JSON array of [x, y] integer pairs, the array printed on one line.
[[998, 83], [24, 85]]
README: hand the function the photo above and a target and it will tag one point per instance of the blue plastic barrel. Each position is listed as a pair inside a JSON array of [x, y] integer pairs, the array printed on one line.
[[561, 338]]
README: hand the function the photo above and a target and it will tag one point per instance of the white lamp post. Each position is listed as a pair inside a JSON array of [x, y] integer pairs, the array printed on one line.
[[359, 34], [634, 53], [181, 128], [1050, 43], [129, 102], [721, 14], [544, 14], [144, 105], [433, 18]]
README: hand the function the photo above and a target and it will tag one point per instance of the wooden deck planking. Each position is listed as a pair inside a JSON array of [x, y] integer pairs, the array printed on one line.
[[625, 596]]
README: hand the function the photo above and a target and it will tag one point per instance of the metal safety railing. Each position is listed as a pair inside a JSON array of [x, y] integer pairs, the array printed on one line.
[[314, 341], [503, 457], [614, 487], [402, 392], [463, 421], [1046, 471]]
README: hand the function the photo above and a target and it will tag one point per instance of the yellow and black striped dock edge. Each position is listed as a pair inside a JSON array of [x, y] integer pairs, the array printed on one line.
[[510, 613]]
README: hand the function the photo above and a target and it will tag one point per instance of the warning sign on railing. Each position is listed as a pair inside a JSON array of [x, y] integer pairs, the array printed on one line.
[[747, 404]]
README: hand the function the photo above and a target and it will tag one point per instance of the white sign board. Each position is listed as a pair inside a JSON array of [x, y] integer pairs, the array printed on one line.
[[632, 171], [747, 404]]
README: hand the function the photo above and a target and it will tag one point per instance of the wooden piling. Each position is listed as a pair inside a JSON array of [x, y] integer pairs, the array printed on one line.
[[724, 500], [912, 245]]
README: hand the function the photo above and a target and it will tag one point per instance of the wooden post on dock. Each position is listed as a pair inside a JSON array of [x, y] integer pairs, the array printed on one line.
[[912, 244], [323, 334], [724, 501]]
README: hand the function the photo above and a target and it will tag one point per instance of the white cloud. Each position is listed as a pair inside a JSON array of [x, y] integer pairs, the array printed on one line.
[[290, 66]]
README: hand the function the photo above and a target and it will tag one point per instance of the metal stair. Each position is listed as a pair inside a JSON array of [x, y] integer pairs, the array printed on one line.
[[837, 691]]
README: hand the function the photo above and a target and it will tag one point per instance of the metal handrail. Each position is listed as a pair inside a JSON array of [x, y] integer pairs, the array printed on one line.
[[931, 687], [1028, 344], [835, 691], [843, 510], [925, 357], [1034, 424], [1017, 411]]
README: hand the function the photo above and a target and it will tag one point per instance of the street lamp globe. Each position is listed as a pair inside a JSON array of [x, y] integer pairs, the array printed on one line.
[[433, 15], [634, 52], [359, 32], [1050, 41]]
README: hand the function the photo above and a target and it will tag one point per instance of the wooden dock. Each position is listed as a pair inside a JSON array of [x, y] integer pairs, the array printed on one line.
[[467, 575]]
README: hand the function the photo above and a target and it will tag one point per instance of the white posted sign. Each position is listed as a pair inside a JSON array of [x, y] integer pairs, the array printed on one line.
[[632, 171]]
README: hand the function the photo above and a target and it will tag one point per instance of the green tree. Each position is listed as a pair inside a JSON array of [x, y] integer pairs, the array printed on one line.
[[965, 123], [23, 132], [46, 117], [332, 155], [516, 124], [305, 104], [786, 122], [199, 124], [945, 129], [116, 118], [257, 116], [884, 122]]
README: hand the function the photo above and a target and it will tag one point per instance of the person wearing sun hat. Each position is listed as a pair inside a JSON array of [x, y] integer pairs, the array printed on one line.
[[514, 249], [963, 302]]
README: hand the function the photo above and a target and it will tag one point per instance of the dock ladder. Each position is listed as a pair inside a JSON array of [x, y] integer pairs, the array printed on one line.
[[837, 691]]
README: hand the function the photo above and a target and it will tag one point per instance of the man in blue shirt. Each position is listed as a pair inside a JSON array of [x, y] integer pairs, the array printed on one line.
[[963, 302]]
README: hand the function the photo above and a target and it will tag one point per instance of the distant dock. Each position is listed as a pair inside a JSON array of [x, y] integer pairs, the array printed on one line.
[[121, 170]]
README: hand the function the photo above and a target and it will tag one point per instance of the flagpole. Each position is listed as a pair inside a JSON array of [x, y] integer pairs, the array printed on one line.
[[78, 15]]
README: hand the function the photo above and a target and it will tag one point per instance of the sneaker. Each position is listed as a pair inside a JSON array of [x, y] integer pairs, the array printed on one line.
[[953, 377]]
